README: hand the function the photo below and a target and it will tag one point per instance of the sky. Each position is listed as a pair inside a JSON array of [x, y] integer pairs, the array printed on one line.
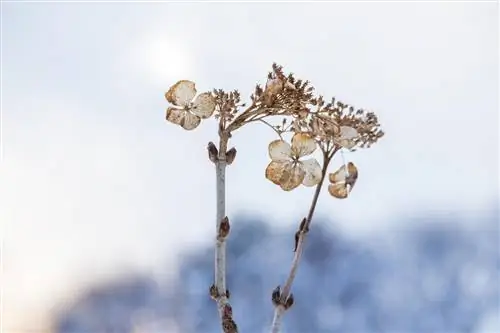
[[96, 183]]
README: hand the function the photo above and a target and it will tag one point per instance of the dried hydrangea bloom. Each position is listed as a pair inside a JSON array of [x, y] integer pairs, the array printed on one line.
[[287, 169], [343, 180], [347, 137], [187, 112]]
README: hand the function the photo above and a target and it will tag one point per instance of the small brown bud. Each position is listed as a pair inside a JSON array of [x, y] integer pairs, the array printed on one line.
[[229, 326], [289, 302], [230, 156], [228, 294], [214, 293], [224, 228], [213, 152], [297, 236], [276, 296]]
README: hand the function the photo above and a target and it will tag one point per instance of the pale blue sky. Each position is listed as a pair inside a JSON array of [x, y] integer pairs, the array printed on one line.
[[95, 182]]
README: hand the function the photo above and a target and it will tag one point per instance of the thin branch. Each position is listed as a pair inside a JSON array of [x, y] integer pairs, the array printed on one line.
[[271, 126], [280, 308], [219, 291]]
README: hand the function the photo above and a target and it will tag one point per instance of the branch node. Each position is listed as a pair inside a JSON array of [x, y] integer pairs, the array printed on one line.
[[224, 229], [303, 229], [214, 293]]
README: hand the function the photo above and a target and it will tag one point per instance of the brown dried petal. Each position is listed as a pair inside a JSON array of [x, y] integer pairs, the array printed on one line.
[[203, 105], [191, 121], [175, 115], [181, 93], [274, 171], [292, 176]]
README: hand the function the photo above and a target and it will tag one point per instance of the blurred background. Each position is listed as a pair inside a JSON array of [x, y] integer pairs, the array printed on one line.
[[107, 211]]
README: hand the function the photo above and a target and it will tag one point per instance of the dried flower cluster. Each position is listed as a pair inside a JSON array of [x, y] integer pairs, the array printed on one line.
[[290, 108]]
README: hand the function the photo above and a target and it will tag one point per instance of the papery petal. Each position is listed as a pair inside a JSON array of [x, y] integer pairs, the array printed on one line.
[[203, 105], [280, 150], [313, 172], [292, 176], [181, 93], [191, 121], [348, 132], [339, 191], [303, 144], [175, 115], [343, 180], [347, 137], [274, 171]]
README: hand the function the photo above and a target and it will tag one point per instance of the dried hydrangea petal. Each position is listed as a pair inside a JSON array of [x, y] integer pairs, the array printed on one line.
[[181, 93], [191, 121], [303, 144], [274, 171], [347, 137], [292, 176], [343, 181], [338, 191], [203, 105], [280, 150], [313, 172], [175, 115]]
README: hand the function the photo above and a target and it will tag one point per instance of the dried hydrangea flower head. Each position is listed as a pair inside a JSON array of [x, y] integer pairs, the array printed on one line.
[[287, 169], [188, 110]]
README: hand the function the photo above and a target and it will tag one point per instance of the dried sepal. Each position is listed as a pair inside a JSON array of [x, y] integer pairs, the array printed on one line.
[[343, 180], [181, 93]]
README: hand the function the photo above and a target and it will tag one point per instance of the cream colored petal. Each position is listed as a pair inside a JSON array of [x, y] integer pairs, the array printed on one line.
[[181, 93], [292, 176], [274, 171], [338, 191], [347, 137], [191, 121], [203, 105], [175, 115], [313, 172], [303, 144], [280, 150]]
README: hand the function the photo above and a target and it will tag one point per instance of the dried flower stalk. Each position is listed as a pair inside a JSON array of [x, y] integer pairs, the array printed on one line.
[[312, 122]]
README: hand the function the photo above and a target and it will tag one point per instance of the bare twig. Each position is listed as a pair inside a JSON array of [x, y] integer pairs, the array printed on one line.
[[219, 291], [285, 296]]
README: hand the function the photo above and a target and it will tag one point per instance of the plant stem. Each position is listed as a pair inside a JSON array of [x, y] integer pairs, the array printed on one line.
[[285, 291], [227, 322]]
